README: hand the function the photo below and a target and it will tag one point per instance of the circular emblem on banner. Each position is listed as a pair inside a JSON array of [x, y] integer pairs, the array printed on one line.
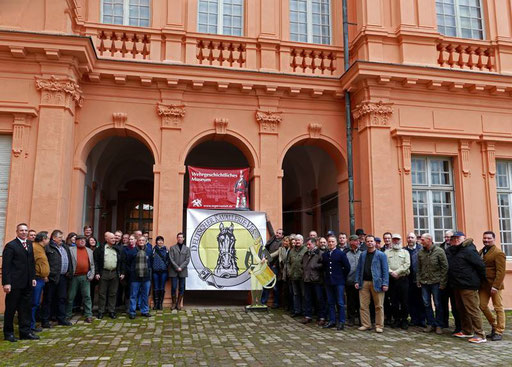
[[219, 246]]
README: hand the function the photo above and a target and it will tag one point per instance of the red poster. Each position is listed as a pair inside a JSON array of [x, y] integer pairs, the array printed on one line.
[[218, 188]]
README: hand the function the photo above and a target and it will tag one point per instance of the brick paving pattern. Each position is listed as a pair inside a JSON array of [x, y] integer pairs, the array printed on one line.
[[229, 337]]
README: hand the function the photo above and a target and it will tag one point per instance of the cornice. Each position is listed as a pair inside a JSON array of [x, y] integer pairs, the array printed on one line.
[[428, 77]]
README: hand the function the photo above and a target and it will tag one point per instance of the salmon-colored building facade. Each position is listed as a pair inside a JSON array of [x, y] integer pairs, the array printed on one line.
[[104, 103]]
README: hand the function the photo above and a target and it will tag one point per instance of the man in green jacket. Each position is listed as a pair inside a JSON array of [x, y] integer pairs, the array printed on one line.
[[432, 277], [295, 274]]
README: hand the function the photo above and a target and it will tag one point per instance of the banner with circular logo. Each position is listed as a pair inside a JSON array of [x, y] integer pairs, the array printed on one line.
[[219, 241]]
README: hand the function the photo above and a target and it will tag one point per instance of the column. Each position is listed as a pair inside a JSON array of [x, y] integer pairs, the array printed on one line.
[[378, 184], [18, 205], [54, 152], [489, 173], [269, 195], [169, 178]]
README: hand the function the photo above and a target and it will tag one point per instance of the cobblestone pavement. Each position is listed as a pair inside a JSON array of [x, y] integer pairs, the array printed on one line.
[[229, 337]]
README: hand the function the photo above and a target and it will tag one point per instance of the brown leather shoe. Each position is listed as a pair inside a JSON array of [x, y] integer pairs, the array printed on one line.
[[88, 320], [321, 322], [306, 321]]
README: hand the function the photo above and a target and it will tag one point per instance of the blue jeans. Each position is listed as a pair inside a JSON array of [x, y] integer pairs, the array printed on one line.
[[174, 283], [429, 291], [312, 292], [266, 292], [159, 279], [335, 296], [139, 290], [36, 300]]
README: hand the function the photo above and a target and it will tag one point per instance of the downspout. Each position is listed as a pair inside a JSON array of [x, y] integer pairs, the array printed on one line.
[[348, 120]]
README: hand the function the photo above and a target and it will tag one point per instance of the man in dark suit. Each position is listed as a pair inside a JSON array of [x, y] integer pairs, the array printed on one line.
[[336, 269], [18, 280]]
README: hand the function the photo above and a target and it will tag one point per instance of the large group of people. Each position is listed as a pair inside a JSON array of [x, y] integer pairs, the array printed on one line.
[[364, 281], [354, 281], [46, 278]]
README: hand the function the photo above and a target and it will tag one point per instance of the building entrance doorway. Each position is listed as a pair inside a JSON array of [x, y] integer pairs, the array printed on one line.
[[310, 191], [119, 186]]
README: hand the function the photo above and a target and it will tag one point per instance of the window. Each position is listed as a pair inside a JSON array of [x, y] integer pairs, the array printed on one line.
[[139, 215], [504, 189], [127, 12], [310, 21], [221, 17], [460, 18], [432, 196]]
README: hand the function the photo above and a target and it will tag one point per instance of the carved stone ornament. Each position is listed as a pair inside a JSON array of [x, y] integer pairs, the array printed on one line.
[[20, 134], [119, 119], [221, 125], [172, 115], [464, 157], [59, 91], [406, 155], [314, 130], [373, 114], [490, 150], [268, 121]]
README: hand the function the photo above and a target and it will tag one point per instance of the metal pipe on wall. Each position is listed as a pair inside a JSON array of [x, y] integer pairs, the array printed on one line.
[[348, 120]]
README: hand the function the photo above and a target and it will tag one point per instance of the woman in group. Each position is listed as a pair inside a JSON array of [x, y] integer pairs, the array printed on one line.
[[160, 268], [179, 256], [92, 244], [71, 239], [138, 266]]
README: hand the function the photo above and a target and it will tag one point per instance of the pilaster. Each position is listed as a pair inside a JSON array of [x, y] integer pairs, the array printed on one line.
[[269, 119], [54, 156]]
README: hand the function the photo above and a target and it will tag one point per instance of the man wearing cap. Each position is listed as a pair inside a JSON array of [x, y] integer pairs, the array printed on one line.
[[353, 255], [379, 244], [399, 264], [466, 273], [372, 280], [495, 266], [362, 239], [431, 277], [83, 265]]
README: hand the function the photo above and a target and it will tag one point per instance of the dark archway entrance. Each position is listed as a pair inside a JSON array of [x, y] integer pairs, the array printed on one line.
[[119, 186], [310, 191], [213, 154]]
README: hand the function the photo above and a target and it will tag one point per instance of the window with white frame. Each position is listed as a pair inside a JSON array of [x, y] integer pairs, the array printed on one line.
[[460, 18], [504, 190], [221, 17], [126, 12], [432, 196], [310, 21]]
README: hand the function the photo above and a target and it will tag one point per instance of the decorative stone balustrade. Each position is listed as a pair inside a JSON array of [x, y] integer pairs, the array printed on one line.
[[123, 44], [221, 53], [313, 61], [466, 54]]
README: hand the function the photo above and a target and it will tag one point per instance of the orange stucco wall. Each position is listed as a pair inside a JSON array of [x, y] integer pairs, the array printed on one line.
[[67, 82]]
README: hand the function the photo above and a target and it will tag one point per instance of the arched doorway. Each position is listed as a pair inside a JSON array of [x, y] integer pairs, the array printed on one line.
[[119, 186], [310, 191], [214, 154]]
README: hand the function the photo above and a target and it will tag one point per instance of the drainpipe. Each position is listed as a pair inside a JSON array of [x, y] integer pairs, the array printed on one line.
[[348, 120]]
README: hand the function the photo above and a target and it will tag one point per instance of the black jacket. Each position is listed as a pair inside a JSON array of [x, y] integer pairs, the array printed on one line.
[[99, 260], [55, 261], [18, 267], [466, 268]]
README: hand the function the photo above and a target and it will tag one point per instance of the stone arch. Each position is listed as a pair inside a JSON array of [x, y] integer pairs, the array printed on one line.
[[231, 137], [89, 142], [329, 145]]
